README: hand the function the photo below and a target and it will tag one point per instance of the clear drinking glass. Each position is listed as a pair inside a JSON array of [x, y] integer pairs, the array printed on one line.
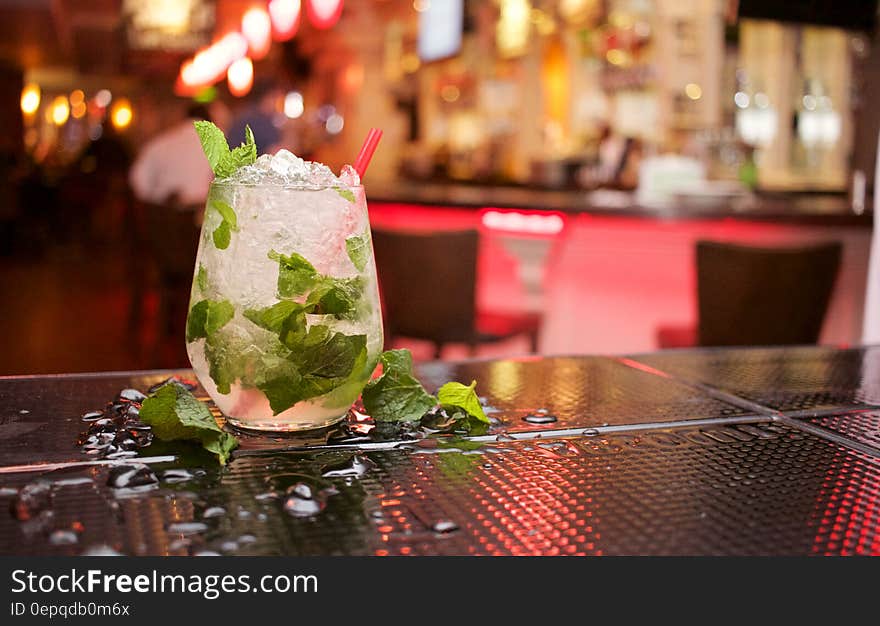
[[285, 326]]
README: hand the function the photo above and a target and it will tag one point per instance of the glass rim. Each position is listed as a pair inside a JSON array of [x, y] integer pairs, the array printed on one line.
[[277, 185]]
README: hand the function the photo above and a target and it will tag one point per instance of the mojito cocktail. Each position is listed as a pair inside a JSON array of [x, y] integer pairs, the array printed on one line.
[[285, 327]]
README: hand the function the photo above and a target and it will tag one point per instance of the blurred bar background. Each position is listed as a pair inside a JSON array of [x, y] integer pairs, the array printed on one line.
[[579, 148]]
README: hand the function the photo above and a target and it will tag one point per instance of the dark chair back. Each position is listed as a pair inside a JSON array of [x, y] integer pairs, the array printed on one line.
[[170, 238], [428, 283], [763, 296]]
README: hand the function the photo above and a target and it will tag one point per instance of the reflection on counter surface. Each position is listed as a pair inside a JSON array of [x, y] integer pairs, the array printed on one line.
[[586, 147]]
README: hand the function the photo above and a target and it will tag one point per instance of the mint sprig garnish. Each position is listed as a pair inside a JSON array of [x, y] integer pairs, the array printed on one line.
[[174, 413], [224, 161]]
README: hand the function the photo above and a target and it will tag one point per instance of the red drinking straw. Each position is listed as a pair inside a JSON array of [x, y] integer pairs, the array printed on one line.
[[367, 150]]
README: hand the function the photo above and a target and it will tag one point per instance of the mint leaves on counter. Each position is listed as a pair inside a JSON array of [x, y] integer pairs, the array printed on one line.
[[396, 395], [455, 396], [175, 414], [224, 161]]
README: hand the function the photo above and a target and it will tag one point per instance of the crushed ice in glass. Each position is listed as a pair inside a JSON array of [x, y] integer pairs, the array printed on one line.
[[286, 169]]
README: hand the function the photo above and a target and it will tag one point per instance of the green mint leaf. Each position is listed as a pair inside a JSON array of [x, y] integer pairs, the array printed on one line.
[[214, 144], [325, 354], [195, 321], [224, 161], [272, 318], [226, 212], [219, 313], [396, 395], [320, 362], [280, 380], [295, 274], [454, 395], [236, 158], [336, 296], [206, 317], [202, 278], [249, 136], [222, 236], [358, 248], [174, 413], [223, 367], [221, 445], [348, 194]]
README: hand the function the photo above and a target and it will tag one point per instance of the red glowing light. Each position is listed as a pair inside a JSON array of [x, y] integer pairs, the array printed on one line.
[[285, 16], [324, 13]]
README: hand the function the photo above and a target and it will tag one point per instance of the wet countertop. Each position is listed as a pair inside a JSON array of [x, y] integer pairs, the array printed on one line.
[[736, 451], [806, 208]]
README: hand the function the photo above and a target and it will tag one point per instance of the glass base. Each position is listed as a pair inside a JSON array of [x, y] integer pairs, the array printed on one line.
[[286, 427]]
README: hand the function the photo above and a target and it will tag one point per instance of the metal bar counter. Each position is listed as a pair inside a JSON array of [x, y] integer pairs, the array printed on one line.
[[712, 452]]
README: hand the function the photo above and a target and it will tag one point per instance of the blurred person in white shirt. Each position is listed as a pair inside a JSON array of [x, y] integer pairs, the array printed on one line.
[[172, 168]]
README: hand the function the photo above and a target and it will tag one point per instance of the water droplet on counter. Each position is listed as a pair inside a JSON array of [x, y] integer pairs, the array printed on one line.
[[590, 432], [179, 544], [69, 482], [121, 454], [539, 418], [32, 499], [244, 514], [186, 528], [229, 546], [91, 416], [265, 497], [444, 526], [100, 549], [214, 511], [207, 553], [356, 466], [302, 502], [133, 395], [63, 538], [177, 475], [246, 539], [126, 476]]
